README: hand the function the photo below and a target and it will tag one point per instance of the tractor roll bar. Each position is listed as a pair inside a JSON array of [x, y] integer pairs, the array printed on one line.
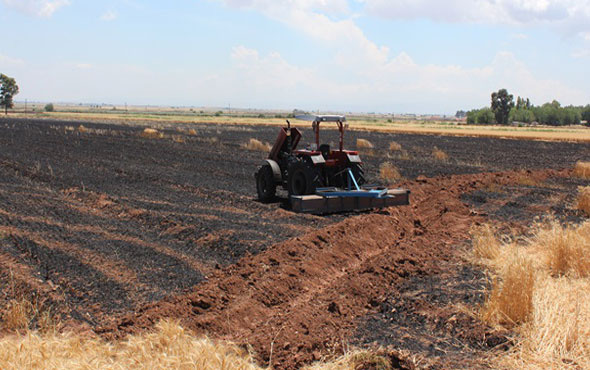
[[339, 121]]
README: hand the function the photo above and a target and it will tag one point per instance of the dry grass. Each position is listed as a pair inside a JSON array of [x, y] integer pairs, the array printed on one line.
[[150, 133], [493, 188], [82, 129], [389, 173], [582, 169], [192, 132], [439, 155], [179, 139], [213, 140], [354, 360], [169, 346], [583, 200], [25, 309], [526, 179], [566, 249], [394, 147], [558, 333], [17, 316], [404, 155], [542, 291], [484, 242], [510, 301], [257, 145], [363, 144]]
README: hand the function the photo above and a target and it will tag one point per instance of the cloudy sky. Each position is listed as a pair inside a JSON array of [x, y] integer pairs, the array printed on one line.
[[418, 56]]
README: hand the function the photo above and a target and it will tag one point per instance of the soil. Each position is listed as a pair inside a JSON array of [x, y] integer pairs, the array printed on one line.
[[117, 231], [311, 292]]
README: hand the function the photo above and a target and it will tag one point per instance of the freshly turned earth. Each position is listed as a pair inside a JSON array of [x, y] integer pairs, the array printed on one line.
[[115, 232]]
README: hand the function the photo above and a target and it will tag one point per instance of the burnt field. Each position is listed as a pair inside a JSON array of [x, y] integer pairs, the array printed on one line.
[[103, 224]]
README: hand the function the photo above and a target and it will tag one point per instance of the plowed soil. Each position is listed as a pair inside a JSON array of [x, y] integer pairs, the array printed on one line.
[[116, 231]]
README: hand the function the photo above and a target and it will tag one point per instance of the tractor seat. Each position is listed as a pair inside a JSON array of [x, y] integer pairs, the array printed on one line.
[[325, 149]]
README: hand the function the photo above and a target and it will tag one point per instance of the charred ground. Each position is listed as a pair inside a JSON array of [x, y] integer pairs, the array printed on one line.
[[101, 221]]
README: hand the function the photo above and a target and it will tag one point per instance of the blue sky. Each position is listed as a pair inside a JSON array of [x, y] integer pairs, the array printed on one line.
[[400, 56]]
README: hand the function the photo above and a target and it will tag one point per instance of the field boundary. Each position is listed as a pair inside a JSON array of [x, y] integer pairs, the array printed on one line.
[[539, 133]]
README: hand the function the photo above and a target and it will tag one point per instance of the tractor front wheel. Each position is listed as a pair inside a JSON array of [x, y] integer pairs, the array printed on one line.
[[265, 184]]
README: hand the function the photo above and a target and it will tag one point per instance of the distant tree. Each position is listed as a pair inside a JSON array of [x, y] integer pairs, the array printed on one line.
[[502, 103], [460, 114], [481, 116], [522, 103], [570, 115], [49, 107], [586, 114], [521, 115], [8, 89]]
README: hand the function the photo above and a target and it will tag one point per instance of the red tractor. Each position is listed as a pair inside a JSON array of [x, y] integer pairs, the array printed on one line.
[[319, 177]]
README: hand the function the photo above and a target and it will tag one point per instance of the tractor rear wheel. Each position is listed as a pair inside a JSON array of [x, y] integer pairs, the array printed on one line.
[[304, 178], [265, 184]]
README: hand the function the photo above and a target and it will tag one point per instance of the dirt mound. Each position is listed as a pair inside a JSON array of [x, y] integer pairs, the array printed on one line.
[[299, 300]]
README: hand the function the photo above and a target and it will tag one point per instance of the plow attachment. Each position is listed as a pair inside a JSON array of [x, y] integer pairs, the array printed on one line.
[[355, 198], [336, 200]]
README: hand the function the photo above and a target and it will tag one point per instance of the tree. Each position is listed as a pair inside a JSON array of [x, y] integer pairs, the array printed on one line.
[[502, 103], [8, 89], [522, 103], [480, 116], [461, 114], [586, 114], [49, 107], [521, 115]]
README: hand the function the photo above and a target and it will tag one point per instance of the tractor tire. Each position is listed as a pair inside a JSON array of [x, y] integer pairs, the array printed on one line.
[[303, 179], [265, 184]]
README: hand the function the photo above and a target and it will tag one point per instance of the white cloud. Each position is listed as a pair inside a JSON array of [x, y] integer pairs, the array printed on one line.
[[269, 80], [6, 61], [570, 14], [109, 16], [38, 8], [309, 17], [398, 85], [277, 7], [520, 36]]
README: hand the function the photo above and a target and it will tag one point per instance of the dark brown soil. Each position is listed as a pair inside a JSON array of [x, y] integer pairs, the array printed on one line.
[[117, 231]]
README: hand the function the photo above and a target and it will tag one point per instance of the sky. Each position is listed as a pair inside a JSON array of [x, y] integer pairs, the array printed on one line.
[[387, 56]]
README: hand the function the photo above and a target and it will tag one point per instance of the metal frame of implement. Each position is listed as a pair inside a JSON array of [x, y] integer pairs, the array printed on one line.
[[355, 198]]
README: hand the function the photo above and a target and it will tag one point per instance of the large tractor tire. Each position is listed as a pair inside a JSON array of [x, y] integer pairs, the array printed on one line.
[[304, 178], [265, 184]]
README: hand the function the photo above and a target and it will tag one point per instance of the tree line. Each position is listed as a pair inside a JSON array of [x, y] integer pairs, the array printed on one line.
[[504, 110]]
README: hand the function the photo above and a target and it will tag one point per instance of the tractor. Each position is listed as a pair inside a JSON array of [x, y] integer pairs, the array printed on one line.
[[319, 179]]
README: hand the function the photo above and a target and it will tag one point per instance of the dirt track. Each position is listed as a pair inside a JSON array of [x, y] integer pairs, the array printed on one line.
[[103, 222]]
